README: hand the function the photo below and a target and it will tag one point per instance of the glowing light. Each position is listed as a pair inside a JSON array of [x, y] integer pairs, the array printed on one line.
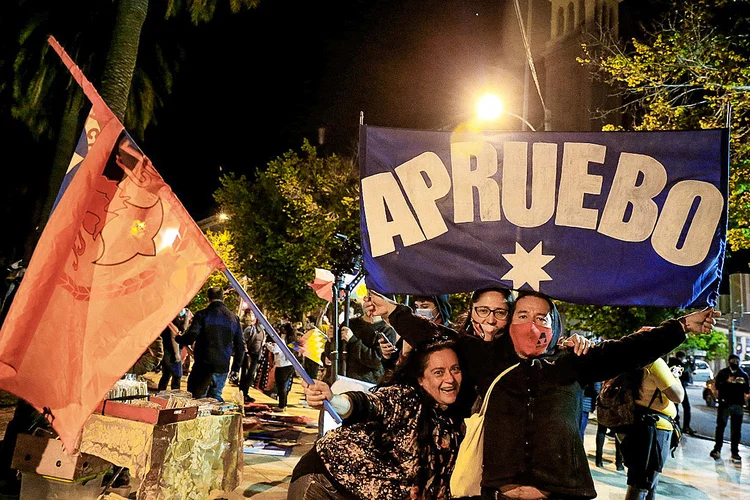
[[166, 238], [223, 216], [489, 107], [138, 228]]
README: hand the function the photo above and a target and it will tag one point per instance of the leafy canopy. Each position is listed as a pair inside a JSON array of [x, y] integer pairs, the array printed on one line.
[[284, 224]]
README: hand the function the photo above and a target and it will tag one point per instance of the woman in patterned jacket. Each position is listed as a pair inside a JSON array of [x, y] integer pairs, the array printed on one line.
[[399, 441]]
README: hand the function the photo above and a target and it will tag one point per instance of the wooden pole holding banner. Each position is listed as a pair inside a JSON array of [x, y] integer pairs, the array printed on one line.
[[275, 336]]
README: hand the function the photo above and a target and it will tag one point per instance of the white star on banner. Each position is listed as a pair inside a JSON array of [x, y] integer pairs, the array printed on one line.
[[527, 267]]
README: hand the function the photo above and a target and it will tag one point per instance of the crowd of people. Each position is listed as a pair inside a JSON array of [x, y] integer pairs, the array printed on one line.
[[506, 355], [401, 439]]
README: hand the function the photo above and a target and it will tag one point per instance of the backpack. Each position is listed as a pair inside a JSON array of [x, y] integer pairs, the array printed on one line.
[[615, 405]]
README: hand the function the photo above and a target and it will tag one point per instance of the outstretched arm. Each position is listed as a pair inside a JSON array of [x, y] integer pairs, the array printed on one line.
[[612, 357]]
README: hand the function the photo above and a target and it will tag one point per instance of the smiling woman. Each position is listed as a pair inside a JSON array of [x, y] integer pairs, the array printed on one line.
[[399, 441]]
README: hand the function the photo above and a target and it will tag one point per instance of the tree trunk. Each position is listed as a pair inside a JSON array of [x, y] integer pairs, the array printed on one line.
[[123, 52]]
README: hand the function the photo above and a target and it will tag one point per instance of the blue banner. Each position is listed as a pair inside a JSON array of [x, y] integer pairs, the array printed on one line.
[[611, 218]]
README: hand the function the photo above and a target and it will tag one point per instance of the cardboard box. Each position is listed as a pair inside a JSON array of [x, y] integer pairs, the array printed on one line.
[[46, 457], [36, 487], [114, 408]]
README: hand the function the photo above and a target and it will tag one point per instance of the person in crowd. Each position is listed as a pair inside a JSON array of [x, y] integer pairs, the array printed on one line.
[[399, 441], [682, 369], [254, 335], [588, 404], [283, 371], [217, 333], [150, 358], [732, 384], [489, 313], [533, 448], [647, 442], [171, 364], [436, 308], [363, 354]]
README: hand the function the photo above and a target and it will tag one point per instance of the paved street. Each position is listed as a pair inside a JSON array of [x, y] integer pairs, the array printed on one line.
[[703, 418]]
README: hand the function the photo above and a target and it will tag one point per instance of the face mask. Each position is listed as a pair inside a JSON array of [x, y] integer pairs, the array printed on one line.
[[426, 313], [530, 339]]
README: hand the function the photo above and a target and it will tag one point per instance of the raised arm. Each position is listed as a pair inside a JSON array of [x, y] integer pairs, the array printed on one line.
[[388, 405], [612, 357]]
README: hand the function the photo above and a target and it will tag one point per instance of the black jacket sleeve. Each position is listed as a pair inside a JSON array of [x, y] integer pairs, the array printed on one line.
[[192, 333], [613, 357]]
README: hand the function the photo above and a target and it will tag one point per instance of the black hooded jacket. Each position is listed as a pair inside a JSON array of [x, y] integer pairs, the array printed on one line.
[[532, 420]]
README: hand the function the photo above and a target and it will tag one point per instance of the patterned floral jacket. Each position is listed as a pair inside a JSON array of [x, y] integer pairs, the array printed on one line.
[[375, 454]]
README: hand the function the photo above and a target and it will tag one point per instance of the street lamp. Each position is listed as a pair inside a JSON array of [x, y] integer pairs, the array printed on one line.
[[490, 108]]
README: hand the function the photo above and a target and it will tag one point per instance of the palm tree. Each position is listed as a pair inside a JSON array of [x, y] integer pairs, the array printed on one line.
[[50, 103]]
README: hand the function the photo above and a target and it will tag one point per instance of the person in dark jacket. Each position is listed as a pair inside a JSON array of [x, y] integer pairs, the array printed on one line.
[[363, 355], [732, 384], [171, 363], [254, 335], [531, 444], [216, 332]]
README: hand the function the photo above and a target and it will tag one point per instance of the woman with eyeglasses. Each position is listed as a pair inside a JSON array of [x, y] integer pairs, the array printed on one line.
[[488, 314], [399, 441], [532, 446]]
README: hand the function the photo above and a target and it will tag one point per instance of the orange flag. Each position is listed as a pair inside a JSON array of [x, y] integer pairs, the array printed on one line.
[[119, 258]]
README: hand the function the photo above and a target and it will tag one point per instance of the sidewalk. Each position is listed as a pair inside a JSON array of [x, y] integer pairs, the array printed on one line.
[[690, 474]]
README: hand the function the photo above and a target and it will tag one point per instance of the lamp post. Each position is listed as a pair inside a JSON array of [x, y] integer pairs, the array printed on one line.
[[490, 107]]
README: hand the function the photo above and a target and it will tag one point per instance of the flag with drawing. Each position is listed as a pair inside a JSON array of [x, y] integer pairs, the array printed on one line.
[[118, 259]]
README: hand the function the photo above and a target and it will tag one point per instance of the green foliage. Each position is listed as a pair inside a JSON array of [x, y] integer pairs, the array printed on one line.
[[613, 322], [284, 222], [715, 344], [683, 75], [222, 243]]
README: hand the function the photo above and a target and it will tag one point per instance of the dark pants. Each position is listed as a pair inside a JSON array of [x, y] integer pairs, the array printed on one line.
[[203, 381], [601, 434], [311, 367], [722, 415], [684, 418], [173, 371], [247, 373], [283, 377], [646, 450], [313, 487]]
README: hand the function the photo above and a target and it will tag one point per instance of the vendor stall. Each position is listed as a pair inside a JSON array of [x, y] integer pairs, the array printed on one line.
[[181, 460]]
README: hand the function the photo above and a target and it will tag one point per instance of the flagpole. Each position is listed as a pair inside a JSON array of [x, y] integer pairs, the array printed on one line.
[[275, 336]]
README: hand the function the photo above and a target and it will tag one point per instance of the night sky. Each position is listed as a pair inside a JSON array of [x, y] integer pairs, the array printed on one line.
[[252, 85], [255, 84]]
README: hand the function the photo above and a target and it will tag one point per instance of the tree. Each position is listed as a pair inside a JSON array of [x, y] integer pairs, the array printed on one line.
[[285, 223], [613, 322], [683, 74], [715, 344], [222, 243], [84, 29]]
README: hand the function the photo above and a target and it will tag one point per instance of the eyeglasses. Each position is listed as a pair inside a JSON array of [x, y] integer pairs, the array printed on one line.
[[483, 312]]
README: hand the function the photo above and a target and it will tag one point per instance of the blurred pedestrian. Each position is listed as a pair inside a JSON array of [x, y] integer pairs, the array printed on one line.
[[253, 335], [647, 442], [171, 364], [732, 384], [682, 370], [217, 333], [284, 370]]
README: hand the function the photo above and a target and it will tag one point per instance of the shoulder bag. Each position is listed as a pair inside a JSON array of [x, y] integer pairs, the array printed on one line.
[[466, 480]]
